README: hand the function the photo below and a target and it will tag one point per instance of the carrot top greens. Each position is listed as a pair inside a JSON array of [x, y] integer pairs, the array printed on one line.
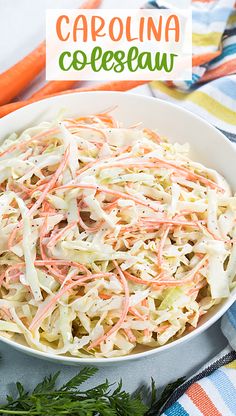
[[47, 399]]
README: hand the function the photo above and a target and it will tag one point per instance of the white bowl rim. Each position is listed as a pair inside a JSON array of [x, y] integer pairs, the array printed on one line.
[[63, 359]]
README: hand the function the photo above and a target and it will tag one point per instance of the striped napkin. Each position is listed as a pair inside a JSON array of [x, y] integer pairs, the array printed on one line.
[[212, 91], [212, 391]]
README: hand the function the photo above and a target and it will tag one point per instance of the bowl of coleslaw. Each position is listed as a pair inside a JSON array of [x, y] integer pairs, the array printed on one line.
[[117, 227]]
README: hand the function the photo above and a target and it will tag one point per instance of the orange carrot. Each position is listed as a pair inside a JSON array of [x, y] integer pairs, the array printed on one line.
[[19, 76], [91, 4], [52, 87], [57, 86], [107, 86]]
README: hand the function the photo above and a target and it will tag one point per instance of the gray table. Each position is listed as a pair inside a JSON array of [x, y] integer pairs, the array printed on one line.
[[164, 367]]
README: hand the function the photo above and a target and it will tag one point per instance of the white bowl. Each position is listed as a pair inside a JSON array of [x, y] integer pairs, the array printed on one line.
[[208, 146]]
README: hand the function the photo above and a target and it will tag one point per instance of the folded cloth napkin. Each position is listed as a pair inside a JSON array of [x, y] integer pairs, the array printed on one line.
[[211, 391], [212, 91]]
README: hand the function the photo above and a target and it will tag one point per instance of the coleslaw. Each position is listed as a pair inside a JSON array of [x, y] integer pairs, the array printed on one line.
[[111, 238]]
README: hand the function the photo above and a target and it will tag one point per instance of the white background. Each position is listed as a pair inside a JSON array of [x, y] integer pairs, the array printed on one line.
[[21, 29]]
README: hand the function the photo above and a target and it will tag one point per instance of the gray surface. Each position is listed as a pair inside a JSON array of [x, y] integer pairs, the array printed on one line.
[[164, 367]]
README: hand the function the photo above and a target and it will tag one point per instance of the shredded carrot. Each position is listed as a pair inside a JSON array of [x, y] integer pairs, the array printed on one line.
[[90, 229], [167, 283], [104, 296], [61, 233], [95, 129], [154, 136], [51, 183], [136, 313], [190, 175], [124, 312], [6, 312], [24, 143], [39, 317], [147, 333], [130, 335], [110, 192], [162, 244], [161, 328], [2, 277]]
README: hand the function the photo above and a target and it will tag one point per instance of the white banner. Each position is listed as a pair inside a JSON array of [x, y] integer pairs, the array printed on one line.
[[119, 44]]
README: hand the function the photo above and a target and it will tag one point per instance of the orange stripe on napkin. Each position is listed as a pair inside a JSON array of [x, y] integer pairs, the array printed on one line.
[[204, 58], [225, 69], [202, 400]]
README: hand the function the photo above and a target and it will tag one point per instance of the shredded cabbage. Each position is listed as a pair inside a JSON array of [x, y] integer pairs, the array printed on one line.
[[111, 238]]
